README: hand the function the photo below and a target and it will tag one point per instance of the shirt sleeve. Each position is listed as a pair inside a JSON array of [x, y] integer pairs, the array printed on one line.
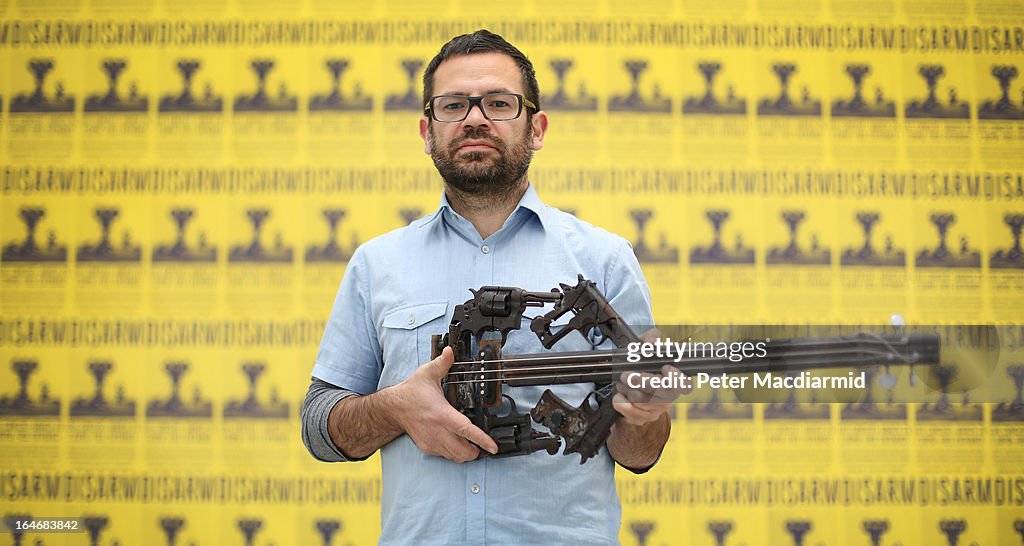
[[627, 291], [316, 409], [350, 354]]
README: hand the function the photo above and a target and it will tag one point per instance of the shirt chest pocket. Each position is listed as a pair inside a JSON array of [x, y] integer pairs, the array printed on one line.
[[405, 338]]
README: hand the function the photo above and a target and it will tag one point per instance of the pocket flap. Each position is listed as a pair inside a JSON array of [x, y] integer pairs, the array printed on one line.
[[414, 316]]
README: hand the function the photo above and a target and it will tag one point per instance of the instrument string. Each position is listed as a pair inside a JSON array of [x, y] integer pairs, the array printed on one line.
[[606, 360], [494, 376]]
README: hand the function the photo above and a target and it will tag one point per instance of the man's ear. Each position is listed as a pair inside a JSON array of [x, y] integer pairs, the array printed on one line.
[[539, 126], [425, 134]]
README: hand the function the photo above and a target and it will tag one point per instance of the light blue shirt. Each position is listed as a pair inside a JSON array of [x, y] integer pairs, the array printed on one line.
[[402, 287]]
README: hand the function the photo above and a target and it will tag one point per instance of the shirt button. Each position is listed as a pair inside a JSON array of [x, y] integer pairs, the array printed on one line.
[[411, 320], [485, 249], [475, 489]]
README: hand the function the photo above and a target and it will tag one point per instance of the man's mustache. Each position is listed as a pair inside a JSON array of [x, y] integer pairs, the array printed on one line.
[[477, 134]]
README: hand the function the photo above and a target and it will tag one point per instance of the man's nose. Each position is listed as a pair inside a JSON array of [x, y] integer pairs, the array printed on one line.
[[476, 116]]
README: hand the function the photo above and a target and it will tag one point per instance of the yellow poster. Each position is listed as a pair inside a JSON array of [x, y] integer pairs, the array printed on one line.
[[182, 184]]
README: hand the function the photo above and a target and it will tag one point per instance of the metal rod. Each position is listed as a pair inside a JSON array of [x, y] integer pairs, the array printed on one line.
[[800, 354]]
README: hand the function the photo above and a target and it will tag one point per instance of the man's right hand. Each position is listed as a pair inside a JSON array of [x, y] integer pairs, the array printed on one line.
[[433, 424]]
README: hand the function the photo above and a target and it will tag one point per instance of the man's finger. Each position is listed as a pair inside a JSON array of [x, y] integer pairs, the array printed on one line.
[[684, 386], [664, 397], [467, 430], [636, 396], [633, 414], [460, 450], [455, 449], [644, 391], [439, 366], [642, 379]]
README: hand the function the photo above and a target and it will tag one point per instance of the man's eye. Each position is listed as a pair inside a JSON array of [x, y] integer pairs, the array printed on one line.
[[498, 104]]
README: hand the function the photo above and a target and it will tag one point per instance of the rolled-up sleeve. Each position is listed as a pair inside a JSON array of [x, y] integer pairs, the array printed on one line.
[[316, 410], [348, 362]]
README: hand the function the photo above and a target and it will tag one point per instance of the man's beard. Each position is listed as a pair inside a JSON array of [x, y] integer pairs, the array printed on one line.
[[475, 173]]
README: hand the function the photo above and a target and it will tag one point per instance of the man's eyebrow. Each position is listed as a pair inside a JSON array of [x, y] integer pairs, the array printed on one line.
[[491, 90]]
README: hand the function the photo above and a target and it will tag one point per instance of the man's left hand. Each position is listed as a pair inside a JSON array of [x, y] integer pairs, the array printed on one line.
[[645, 404]]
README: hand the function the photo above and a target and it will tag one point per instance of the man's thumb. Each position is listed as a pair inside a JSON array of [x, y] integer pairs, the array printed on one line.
[[440, 365]]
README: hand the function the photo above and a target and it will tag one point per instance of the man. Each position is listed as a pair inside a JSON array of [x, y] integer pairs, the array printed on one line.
[[371, 389]]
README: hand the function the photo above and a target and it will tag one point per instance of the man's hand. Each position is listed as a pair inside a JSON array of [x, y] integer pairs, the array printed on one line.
[[360, 425], [433, 424], [637, 439], [645, 404]]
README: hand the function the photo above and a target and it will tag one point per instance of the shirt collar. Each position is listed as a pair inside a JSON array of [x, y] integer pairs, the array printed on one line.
[[530, 202]]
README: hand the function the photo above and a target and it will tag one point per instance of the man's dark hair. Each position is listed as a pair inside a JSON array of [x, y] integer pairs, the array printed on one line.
[[483, 41]]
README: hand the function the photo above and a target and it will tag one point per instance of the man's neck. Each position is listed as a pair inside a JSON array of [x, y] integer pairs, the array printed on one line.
[[487, 212]]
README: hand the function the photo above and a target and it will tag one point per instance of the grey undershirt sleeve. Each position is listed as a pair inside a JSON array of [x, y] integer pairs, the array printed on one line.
[[316, 408]]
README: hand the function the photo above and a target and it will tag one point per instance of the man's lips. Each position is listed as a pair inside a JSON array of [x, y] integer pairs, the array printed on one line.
[[475, 146]]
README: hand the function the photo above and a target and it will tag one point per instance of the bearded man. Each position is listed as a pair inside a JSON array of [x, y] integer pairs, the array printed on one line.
[[374, 384]]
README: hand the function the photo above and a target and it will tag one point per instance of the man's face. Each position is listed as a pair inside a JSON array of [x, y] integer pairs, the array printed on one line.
[[477, 155]]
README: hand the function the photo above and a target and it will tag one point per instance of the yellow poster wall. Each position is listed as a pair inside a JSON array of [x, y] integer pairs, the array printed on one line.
[[182, 183]]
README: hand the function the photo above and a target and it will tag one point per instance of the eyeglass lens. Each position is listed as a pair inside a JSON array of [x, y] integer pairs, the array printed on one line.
[[496, 107]]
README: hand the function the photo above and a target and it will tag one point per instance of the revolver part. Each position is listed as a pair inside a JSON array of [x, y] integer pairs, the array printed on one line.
[[584, 428], [515, 435]]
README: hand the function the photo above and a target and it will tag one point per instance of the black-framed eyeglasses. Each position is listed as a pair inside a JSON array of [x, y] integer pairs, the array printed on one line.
[[494, 106]]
